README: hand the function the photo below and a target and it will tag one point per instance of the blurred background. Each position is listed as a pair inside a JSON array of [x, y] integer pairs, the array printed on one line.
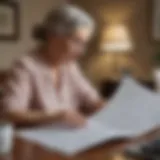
[[126, 40]]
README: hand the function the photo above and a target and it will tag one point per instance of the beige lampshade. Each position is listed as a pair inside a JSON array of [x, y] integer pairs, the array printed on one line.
[[116, 39]]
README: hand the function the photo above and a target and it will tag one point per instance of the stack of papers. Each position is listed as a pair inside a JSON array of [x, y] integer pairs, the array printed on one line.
[[133, 111]]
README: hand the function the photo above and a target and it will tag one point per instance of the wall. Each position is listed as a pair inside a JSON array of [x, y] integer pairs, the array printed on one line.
[[135, 15], [32, 11]]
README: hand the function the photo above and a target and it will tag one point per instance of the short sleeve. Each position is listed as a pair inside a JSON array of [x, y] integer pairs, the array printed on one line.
[[17, 89], [85, 91]]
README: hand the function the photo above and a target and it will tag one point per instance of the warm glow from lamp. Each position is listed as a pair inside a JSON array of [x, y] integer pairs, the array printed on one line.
[[116, 39]]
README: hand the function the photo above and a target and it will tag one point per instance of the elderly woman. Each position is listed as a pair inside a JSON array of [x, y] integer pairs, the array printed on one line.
[[46, 85]]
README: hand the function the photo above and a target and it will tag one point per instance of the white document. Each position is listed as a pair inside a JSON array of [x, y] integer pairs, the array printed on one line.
[[68, 141], [132, 111]]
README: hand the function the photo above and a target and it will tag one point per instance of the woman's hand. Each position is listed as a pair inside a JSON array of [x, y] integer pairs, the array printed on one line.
[[92, 108], [73, 118]]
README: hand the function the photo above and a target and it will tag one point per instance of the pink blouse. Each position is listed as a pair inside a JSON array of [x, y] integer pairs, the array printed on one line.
[[30, 86]]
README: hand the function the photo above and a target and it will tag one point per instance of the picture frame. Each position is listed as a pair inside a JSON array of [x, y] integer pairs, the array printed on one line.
[[9, 20], [155, 20]]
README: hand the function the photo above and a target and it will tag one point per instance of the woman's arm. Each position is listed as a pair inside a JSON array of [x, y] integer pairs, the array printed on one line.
[[92, 107], [33, 117], [69, 117], [90, 100]]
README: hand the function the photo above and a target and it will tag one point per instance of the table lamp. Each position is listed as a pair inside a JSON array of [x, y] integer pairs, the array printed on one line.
[[117, 45]]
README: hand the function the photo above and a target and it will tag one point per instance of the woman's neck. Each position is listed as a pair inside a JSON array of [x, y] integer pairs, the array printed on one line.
[[53, 61]]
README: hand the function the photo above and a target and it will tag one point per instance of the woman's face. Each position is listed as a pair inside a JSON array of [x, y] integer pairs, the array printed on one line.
[[70, 47]]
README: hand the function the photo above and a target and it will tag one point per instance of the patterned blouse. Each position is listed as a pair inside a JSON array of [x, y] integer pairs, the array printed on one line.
[[31, 86]]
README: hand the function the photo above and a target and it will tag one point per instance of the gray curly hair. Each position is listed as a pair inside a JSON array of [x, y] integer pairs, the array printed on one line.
[[64, 20]]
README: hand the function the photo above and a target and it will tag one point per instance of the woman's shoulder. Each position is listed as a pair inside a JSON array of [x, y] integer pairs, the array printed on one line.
[[27, 62]]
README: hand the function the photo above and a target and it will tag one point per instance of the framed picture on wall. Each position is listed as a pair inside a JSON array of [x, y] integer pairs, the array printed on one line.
[[156, 20], [9, 20]]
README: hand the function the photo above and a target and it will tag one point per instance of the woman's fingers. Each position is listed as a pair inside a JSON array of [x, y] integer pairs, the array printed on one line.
[[75, 119]]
